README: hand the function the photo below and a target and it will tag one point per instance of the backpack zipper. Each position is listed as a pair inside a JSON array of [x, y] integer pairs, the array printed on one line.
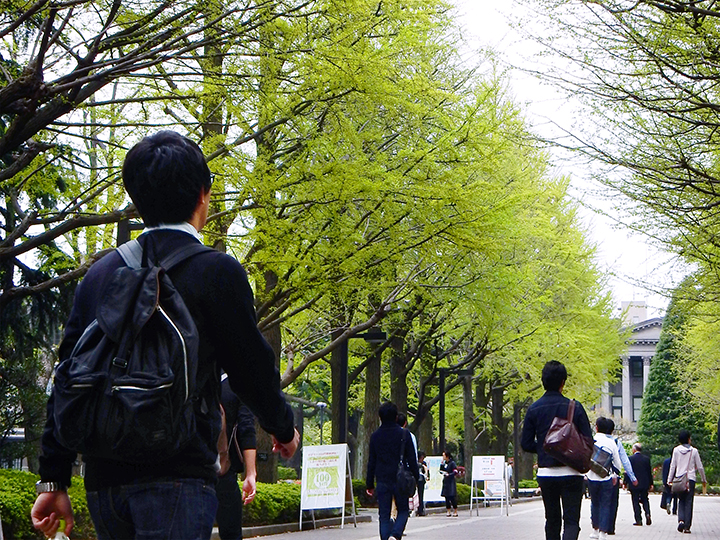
[[182, 340]]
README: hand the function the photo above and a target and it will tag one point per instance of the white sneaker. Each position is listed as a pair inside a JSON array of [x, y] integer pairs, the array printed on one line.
[[603, 536], [594, 534]]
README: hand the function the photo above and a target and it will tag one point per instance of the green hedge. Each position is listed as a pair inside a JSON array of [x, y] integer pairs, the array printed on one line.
[[17, 495], [287, 473]]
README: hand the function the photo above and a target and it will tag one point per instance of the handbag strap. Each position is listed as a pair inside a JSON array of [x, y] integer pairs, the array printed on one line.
[[402, 448], [571, 411]]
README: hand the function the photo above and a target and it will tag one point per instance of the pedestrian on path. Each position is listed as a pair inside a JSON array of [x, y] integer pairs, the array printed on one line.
[[684, 467], [668, 500], [639, 492], [449, 470], [423, 478], [629, 474], [383, 459], [561, 486], [601, 485]]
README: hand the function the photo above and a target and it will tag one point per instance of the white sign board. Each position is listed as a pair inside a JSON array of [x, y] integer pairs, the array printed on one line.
[[488, 468], [434, 486], [494, 488], [323, 476]]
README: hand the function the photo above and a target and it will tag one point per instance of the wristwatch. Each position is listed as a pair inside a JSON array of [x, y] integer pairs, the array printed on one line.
[[47, 487]]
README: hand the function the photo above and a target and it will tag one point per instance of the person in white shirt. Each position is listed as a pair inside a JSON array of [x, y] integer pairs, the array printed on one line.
[[601, 478]]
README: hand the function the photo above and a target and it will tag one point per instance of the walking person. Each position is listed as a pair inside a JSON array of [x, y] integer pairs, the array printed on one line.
[[684, 468], [383, 458], [171, 496], [668, 499], [561, 486], [423, 478], [629, 475], [240, 456], [639, 491], [449, 471], [601, 486]]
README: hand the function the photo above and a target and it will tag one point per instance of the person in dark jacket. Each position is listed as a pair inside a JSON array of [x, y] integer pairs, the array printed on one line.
[[241, 456], [667, 500], [383, 459], [639, 492], [561, 486], [449, 470], [423, 478], [169, 181]]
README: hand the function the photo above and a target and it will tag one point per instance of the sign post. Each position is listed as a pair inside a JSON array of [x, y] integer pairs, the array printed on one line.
[[492, 471], [326, 480]]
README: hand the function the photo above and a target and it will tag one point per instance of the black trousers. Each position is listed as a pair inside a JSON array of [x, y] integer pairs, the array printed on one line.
[[562, 497], [640, 496], [421, 498], [230, 506], [685, 506]]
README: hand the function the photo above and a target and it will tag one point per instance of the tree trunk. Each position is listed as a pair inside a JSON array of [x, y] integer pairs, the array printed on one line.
[[337, 393], [371, 420], [398, 381], [425, 435]]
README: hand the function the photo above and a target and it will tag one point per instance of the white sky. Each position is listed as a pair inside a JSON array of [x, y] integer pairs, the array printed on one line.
[[629, 257]]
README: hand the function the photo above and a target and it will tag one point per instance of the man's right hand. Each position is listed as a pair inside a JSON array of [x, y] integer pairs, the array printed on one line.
[[287, 449], [47, 511]]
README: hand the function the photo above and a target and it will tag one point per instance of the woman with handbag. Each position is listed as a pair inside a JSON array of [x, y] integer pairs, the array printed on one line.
[[449, 488], [682, 476]]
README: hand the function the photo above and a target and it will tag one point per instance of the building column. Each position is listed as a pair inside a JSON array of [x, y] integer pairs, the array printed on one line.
[[605, 402], [646, 371], [627, 408]]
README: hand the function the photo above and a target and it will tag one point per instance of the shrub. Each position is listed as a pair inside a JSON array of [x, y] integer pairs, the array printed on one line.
[[524, 484], [463, 493], [273, 503], [361, 497], [287, 473], [17, 495]]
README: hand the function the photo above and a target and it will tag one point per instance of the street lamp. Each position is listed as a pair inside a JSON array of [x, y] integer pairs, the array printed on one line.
[[372, 336]]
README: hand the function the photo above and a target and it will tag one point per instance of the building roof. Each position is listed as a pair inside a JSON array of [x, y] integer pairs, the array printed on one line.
[[646, 332]]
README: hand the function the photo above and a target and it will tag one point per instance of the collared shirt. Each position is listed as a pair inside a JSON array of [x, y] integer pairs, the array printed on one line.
[[183, 227]]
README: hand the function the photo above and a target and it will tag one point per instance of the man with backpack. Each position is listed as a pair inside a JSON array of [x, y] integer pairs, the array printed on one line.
[[151, 455]]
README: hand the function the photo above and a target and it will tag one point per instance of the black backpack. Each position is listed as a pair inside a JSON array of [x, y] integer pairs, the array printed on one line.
[[127, 390]]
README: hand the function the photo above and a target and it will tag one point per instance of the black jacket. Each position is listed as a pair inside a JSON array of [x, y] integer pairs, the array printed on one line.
[[537, 423], [240, 427], [643, 472], [215, 289], [384, 454]]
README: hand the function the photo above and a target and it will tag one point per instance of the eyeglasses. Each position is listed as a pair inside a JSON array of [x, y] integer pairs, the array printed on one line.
[[212, 179]]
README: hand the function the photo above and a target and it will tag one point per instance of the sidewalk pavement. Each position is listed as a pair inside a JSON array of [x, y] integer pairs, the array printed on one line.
[[526, 521]]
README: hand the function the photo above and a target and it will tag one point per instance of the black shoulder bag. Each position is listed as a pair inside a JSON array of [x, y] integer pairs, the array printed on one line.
[[405, 481]]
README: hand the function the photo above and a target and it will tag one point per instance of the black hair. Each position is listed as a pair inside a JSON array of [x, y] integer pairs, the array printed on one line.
[[684, 436], [604, 425], [402, 419], [164, 174], [448, 454], [554, 375], [421, 454], [388, 412]]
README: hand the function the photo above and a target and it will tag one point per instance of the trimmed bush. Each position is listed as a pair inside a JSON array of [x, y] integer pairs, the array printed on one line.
[[17, 495], [273, 503], [287, 473], [361, 497], [463, 493], [525, 484]]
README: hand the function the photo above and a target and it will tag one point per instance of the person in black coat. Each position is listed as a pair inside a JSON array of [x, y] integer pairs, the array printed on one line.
[[240, 457], [169, 181], [639, 492], [383, 459], [561, 486], [667, 500], [449, 486]]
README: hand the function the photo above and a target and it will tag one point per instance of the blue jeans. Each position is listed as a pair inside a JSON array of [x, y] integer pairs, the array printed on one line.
[[179, 509], [385, 493], [601, 506]]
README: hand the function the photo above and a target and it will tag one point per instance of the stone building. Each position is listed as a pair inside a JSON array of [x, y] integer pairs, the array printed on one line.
[[623, 399]]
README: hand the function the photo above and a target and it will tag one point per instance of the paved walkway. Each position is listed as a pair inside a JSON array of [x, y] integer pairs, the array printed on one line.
[[526, 522]]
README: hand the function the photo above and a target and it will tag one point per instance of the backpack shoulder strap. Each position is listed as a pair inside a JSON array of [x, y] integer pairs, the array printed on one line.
[[183, 252], [131, 253]]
